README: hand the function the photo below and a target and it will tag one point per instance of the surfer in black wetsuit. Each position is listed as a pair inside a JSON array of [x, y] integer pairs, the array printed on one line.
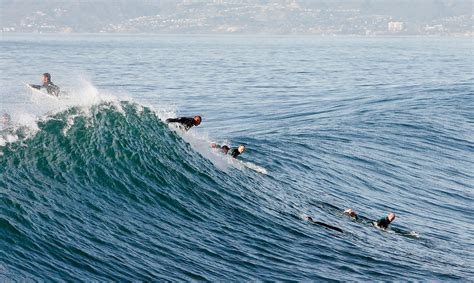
[[234, 152], [237, 151], [310, 219], [51, 88], [186, 122], [384, 222], [381, 223]]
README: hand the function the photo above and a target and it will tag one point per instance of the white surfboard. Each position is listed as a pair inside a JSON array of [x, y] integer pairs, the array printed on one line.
[[254, 167], [41, 92]]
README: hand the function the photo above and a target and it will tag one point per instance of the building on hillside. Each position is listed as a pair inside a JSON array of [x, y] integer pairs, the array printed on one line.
[[395, 26]]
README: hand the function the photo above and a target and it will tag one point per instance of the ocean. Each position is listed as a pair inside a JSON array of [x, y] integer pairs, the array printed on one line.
[[96, 186]]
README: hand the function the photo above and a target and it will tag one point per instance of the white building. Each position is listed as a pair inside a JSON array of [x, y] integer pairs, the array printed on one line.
[[395, 26]]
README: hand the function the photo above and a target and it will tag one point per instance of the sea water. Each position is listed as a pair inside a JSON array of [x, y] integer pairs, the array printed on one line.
[[96, 186]]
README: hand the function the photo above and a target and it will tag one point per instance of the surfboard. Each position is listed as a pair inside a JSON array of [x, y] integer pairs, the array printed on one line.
[[254, 167], [41, 92]]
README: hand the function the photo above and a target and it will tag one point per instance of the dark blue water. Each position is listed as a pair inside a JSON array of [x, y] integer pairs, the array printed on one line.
[[94, 186]]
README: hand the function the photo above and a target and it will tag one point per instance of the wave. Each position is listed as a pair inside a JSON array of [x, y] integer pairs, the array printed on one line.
[[85, 170], [123, 134], [102, 189]]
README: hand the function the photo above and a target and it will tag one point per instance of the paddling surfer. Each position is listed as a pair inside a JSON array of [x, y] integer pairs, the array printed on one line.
[[186, 122], [234, 152], [380, 223]]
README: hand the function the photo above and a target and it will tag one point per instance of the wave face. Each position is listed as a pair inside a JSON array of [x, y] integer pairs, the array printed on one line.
[[66, 195]]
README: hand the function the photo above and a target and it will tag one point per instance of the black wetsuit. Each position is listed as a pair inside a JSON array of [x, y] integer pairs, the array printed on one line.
[[186, 122], [383, 222], [50, 88], [235, 152]]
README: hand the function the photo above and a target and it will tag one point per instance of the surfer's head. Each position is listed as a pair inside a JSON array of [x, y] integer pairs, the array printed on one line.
[[391, 216], [197, 120], [46, 77], [241, 148]]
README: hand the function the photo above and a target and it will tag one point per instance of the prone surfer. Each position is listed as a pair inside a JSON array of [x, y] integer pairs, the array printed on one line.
[[237, 151], [234, 152], [186, 122], [385, 221], [51, 88], [381, 223]]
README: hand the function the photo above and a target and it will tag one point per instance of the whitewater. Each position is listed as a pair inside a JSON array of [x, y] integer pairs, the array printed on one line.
[[96, 186]]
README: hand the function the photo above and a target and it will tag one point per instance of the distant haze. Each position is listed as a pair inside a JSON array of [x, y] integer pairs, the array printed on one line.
[[361, 17]]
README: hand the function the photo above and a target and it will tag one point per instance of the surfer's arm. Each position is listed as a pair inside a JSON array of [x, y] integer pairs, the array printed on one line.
[[184, 122], [181, 120], [35, 86]]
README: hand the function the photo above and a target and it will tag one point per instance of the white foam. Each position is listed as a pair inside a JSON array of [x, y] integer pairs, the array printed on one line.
[[8, 138], [11, 138], [69, 123], [414, 234], [40, 107], [254, 167], [84, 95], [201, 142], [165, 112], [27, 120]]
